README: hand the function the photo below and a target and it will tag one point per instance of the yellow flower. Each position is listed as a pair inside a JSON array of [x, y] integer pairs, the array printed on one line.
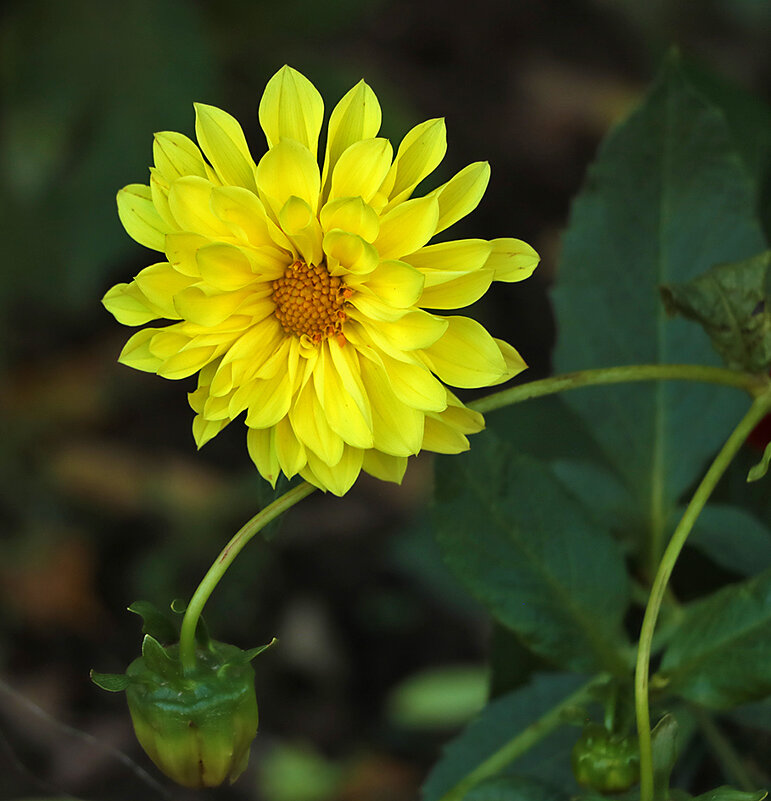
[[301, 295]]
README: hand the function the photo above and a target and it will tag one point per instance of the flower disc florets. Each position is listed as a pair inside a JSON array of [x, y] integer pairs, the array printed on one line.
[[310, 299]]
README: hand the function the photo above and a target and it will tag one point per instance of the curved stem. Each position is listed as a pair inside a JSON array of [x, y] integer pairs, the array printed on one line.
[[750, 382], [757, 411], [222, 563], [523, 741]]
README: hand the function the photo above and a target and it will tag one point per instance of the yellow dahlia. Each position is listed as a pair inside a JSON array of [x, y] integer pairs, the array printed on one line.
[[301, 296]]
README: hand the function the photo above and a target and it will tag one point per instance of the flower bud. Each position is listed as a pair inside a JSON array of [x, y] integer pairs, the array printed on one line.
[[605, 761], [196, 728], [196, 725]]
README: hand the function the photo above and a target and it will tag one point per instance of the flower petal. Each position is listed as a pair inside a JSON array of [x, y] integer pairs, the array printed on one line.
[[288, 169], [181, 249], [361, 169], [342, 395], [269, 401], [291, 108], [224, 267], [310, 425], [461, 194], [466, 355], [461, 290], [357, 116], [515, 364], [136, 352], [186, 362], [385, 467], [204, 430], [339, 478], [140, 217], [190, 203], [224, 144], [419, 154], [240, 207], [351, 214], [289, 450], [300, 224], [348, 253], [414, 331], [512, 260], [463, 255], [129, 305], [397, 428], [176, 156], [415, 385], [398, 284], [259, 442], [206, 308], [160, 283], [407, 227]]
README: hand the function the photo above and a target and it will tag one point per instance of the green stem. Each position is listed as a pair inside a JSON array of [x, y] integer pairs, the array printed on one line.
[[618, 375], [222, 563], [757, 411], [523, 741]]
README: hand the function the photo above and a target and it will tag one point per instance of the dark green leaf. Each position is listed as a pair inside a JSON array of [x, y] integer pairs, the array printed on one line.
[[112, 682], [512, 663], [667, 198], [732, 302], [154, 622], [512, 788], [499, 722], [543, 568], [157, 659], [665, 748], [721, 652], [732, 538], [731, 794], [761, 468]]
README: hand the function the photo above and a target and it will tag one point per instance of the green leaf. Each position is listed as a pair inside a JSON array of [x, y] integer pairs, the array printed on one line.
[[761, 468], [112, 682], [154, 622], [543, 567], [443, 697], [667, 198], [252, 652], [732, 538], [157, 659], [720, 654], [512, 788], [732, 302], [499, 722], [665, 748], [731, 794]]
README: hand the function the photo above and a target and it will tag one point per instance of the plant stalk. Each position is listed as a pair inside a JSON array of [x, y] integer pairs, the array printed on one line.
[[223, 562], [757, 411]]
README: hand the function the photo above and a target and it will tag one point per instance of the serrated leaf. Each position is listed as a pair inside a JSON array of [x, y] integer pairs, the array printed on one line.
[[499, 722], [543, 567], [112, 682], [761, 468], [667, 198], [732, 538], [154, 622], [732, 303], [157, 659], [252, 652], [719, 656]]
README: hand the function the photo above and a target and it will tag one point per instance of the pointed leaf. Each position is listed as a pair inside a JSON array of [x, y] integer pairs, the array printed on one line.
[[731, 794], [112, 682], [155, 622], [665, 750], [157, 659], [667, 198], [544, 567], [252, 652], [761, 468]]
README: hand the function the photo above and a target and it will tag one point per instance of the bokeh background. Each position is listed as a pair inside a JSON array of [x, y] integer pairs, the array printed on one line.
[[104, 499]]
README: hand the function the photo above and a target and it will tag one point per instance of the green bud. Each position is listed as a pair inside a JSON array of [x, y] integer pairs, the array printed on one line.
[[197, 726], [605, 761]]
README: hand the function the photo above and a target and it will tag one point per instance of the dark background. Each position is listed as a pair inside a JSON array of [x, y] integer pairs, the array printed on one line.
[[104, 498]]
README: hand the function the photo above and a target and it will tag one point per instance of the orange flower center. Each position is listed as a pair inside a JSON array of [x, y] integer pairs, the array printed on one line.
[[311, 301]]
